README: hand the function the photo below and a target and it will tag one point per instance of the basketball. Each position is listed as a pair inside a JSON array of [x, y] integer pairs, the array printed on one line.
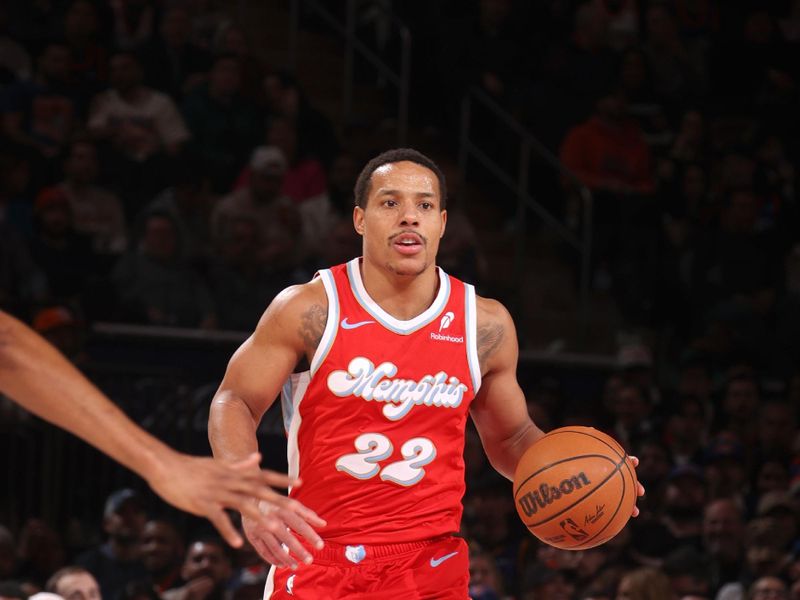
[[575, 488]]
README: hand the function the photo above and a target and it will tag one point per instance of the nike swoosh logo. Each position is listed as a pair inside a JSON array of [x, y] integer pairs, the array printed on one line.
[[435, 562], [346, 325]]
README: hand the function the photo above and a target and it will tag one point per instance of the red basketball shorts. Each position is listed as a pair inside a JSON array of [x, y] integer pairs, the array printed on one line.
[[432, 569]]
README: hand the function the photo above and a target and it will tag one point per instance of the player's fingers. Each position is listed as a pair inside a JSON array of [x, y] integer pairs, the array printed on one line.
[[264, 552], [276, 479], [635, 512], [220, 520], [634, 460], [296, 521], [276, 543], [640, 488], [292, 546], [305, 513]]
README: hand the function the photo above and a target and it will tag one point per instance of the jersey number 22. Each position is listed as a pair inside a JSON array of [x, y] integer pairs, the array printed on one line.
[[372, 448]]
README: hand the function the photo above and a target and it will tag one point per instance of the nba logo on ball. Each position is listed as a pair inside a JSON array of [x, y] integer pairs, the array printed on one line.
[[575, 488]]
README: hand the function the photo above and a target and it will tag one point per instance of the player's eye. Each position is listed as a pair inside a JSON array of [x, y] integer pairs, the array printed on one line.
[[390, 203], [426, 205]]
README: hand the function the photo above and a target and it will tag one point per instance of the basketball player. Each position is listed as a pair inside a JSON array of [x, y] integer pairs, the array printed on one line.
[[39, 378], [399, 354]]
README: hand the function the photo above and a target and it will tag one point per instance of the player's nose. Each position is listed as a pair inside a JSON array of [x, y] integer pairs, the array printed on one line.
[[410, 214]]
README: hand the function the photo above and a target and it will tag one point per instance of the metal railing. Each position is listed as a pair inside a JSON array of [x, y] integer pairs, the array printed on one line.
[[529, 146], [401, 79]]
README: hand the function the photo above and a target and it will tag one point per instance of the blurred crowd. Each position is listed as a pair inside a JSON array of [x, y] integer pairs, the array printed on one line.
[[155, 169]]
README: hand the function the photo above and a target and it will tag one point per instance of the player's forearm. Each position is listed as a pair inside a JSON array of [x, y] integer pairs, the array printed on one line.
[[231, 428], [505, 456], [40, 379]]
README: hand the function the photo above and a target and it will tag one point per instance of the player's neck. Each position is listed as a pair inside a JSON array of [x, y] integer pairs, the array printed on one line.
[[402, 296]]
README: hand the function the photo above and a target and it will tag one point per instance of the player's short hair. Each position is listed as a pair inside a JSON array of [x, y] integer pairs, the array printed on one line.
[[395, 155]]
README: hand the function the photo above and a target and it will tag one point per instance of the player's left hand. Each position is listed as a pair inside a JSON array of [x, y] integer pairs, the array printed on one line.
[[206, 487], [640, 487]]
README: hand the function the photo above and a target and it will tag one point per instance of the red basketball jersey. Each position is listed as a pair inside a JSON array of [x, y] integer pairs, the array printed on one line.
[[376, 426]]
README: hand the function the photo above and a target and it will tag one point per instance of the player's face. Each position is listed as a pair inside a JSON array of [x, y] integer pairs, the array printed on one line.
[[403, 221]]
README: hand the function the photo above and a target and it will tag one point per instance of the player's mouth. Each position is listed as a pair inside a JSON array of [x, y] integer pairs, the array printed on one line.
[[407, 243]]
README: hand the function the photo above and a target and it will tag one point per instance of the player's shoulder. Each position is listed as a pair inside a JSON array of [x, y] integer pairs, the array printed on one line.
[[496, 337], [490, 311], [296, 300]]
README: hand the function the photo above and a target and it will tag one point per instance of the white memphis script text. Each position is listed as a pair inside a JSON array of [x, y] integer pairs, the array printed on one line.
[[363, 379]]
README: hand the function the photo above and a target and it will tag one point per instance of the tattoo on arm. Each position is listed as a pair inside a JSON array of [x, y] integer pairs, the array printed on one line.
[[312, 326], [489, 338]]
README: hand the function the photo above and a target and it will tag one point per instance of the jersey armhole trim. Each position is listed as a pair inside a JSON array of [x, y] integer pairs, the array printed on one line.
[[332, 324], [471, 316]]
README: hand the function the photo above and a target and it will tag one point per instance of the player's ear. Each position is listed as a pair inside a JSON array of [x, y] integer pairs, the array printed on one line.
[[444, 222], [358, 220]]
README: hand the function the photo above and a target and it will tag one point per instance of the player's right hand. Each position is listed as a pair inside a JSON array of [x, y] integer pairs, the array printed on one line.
[[273, 533]]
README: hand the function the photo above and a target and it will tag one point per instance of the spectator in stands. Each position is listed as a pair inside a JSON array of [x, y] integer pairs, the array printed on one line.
[[540, 581], [134, 22], [43, 112], [725, 467], [142, 127], [316, 137], [162, 553], [242, 284], [484, 49], [188, 202], [74, 583], [63, 255], [117, 561], [723, 541], [687, 429], [632, 415], [608, 151], [734, 270], [59, 326], [787, 310], [96, 212], [21, 282], [678, 76], [173, 63], [278, 218], [635, 82], [777, 429], [768, 587], [688, 570], [206, 570], [580, 66], [40, 551], [737, 412], [8, 554], [156, 285], [304, 180], [15, 60], [224, 126], [691, 142], [89, 64], [774, 184], [485, 582], [231, 40], [645, 584]]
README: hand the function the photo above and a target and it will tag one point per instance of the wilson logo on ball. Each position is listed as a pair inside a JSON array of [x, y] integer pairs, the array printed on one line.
[[532, 501]]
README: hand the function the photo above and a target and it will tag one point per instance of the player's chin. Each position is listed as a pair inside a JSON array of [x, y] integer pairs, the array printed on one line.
[[409, 266]]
